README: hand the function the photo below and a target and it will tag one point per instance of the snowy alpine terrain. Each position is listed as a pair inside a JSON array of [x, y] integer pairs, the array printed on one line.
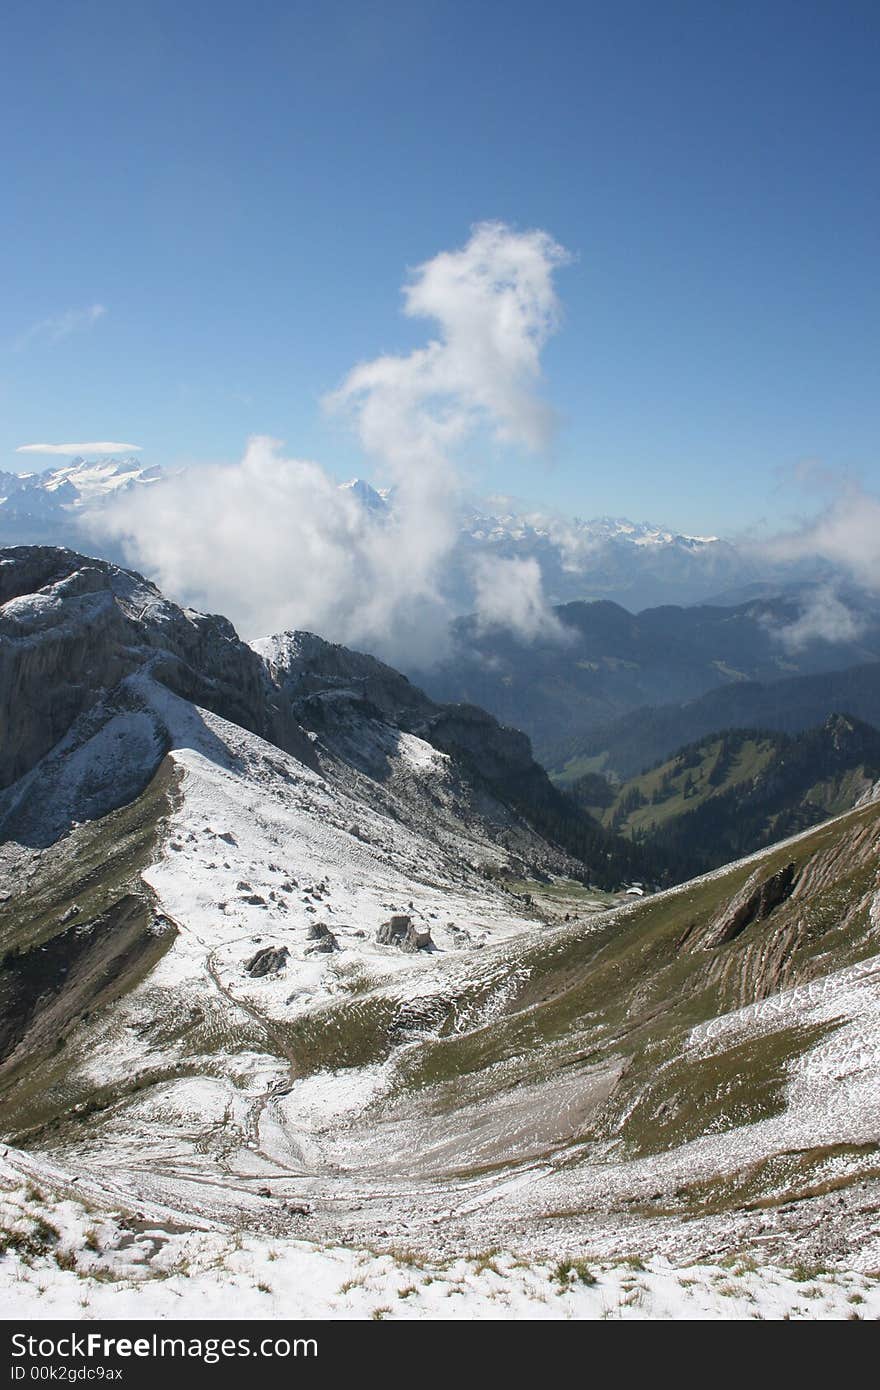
[[640, 564], [56, 505], [299, 1003], [66, 1260]]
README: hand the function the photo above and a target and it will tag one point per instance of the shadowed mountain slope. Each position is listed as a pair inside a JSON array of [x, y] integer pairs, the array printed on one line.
[[637, 741], [270, 985], [734, 792]]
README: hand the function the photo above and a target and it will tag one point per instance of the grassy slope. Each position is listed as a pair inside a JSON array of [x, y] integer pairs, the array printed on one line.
[[77, 920], [624, 991], [736, 792], [689, 784], [613, 997]]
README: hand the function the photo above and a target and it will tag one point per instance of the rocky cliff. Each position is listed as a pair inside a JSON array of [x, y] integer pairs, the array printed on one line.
[[86, 652], [100, 676]]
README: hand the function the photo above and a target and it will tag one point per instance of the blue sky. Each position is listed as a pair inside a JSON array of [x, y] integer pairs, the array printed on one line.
[[209, 211]]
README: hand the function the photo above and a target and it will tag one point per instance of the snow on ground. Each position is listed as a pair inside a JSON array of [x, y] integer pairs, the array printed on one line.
[[62, 1260], [832, 1096], [262, 849], [421, 756], [832, 1103], [258, 851]]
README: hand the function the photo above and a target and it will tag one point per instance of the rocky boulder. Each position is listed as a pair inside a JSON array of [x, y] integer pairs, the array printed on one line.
[[402, 932], [323, 938], [267, 961]]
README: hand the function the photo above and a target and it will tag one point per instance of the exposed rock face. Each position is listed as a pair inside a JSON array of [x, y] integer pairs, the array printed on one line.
[[267, 961], [752, 904], [332, 690], [99, 675], [324, 940], [305, 665], [401, 931], [80, 626], [321, 678], [85, 646], [831, 893]]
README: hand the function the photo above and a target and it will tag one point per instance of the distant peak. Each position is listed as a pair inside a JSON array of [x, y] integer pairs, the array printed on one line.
[[373, 498]]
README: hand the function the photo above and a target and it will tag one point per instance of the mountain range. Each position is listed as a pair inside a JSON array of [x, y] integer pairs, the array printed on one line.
[[634, 742], [637, 564], [50, 507], [295, 969], [736, 791], [603, 663]]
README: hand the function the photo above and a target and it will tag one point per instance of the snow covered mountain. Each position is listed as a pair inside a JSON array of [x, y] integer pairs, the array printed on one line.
[[287, 979], [372, 499], [506, 526], [639, 564], [48, 507]]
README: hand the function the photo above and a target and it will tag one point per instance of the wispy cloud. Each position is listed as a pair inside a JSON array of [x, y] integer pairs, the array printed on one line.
[[509, 593], [824, 617], [842, 540], [845, 533], [101, 446], [274, 543], [60, 326], [495, 305]]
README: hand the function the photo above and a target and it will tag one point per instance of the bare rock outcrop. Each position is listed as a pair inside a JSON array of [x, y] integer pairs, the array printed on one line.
[[323, 940], [267, 961], [402, 932], [82, 645], [336, 694], [753, 903]]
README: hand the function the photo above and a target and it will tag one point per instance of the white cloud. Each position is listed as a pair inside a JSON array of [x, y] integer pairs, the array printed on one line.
[[495, 305], [846, 533], [824, 618], [845, 536], [275, 544], [60, 326], [102, 446], [509, 594]]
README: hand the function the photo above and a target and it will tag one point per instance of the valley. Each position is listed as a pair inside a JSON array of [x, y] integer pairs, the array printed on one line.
[[439, 677], [317, 985], [737, 791]]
